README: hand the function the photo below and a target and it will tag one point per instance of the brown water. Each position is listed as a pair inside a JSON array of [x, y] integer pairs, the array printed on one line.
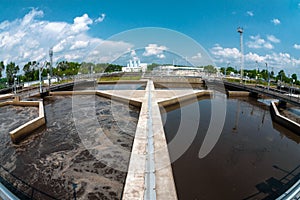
[[249, 160], [54, 157]]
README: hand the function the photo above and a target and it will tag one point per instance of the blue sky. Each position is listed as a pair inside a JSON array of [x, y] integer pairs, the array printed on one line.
[[271, 29]]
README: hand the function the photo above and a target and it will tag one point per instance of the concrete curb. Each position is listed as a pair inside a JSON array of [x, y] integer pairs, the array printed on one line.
[[24, 130], [282, 120], [238, 93]]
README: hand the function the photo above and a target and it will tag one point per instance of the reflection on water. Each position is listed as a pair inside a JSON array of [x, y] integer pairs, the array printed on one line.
[[54, 157], [121, 86], [243, 158]]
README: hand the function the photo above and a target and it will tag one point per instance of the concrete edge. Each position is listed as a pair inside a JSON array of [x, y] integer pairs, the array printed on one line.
[[6, 96], [185, 98], [282, 120], [238, 93], [24, 130], [122, 82], [99, 93]]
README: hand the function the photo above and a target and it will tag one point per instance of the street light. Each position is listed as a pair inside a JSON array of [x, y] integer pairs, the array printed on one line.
[[268, 76], [240, 31]]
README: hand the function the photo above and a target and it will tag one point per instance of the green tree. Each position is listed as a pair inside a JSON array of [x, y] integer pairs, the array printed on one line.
[[1, 68], [11, 70], [294, 76], [210, 69], [282, 77]]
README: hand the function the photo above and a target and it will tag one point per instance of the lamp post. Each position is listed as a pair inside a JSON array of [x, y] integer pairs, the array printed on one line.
[[240, 31], [268, 76], [256, 72]]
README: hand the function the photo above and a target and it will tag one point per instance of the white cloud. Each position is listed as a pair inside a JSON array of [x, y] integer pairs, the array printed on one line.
[[101, 18], [276, 61], [257, 43], [198, 56], [29, 38], [79, 45], [297, 46], [81, 23], [132, 53], [155, 50], [250, 13], [220, 52], [273, 39], [275, 21]]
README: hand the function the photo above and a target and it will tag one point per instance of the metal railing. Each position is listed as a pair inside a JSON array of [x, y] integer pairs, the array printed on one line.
[[20, 188]]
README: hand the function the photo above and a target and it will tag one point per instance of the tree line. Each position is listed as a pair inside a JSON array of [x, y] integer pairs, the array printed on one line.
[[263, 75], [62, 69]]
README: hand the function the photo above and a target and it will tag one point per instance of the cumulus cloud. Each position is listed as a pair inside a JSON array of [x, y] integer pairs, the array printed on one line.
[[250, 13], [101, 18], [276, 21], [220, 52], [79, 45], [278, 61], [273, 39], [29, 38], [81, 23], [155, 50], [257, 42], [198, 56], [297, 46]]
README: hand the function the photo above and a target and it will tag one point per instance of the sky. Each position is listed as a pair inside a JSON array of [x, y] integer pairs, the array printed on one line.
[[198, 32]]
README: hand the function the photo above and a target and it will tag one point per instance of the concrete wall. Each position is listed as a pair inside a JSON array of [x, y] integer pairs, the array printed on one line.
[[238, 93], [186, 98], [101, 94], [284, 121], [26, 129]]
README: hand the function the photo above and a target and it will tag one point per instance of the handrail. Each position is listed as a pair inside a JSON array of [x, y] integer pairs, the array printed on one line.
[[33, 189]]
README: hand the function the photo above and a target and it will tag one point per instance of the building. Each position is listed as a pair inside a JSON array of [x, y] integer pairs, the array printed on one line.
[[135, 66]]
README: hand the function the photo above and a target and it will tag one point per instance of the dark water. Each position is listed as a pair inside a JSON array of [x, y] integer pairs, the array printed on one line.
[[55, 157], [249, 160], [121, 86]]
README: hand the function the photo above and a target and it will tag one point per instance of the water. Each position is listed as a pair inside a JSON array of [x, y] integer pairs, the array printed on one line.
[[249, 160], [55, 157], [122, 86]]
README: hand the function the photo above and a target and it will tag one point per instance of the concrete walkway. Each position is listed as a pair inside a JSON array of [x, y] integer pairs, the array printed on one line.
[[150, 173]]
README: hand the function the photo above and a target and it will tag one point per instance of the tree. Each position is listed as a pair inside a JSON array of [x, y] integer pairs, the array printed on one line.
[[294, 76], [29, 71], [282, 77], [11, 70], [210, 69], [1, 68]]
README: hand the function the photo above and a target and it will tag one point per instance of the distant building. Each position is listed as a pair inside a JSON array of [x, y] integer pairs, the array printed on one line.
[[135, 66]]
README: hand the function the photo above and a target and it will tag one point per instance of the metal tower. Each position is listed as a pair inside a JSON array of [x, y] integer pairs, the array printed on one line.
[[240, 30]]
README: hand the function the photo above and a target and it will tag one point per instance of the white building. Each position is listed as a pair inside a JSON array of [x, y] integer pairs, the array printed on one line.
[[135, 66]]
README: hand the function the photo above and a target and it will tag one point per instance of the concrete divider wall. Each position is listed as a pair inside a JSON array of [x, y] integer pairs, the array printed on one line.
[[99, 93], [185, 98], [26, 129], [284, 121], [123, 82], [238, 93]]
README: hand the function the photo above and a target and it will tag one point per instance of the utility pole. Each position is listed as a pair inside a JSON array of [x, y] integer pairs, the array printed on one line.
[[51, 62], [240, 31], [268, 76]]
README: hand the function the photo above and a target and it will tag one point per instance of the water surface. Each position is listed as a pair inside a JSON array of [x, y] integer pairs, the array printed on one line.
[[249, 161]]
